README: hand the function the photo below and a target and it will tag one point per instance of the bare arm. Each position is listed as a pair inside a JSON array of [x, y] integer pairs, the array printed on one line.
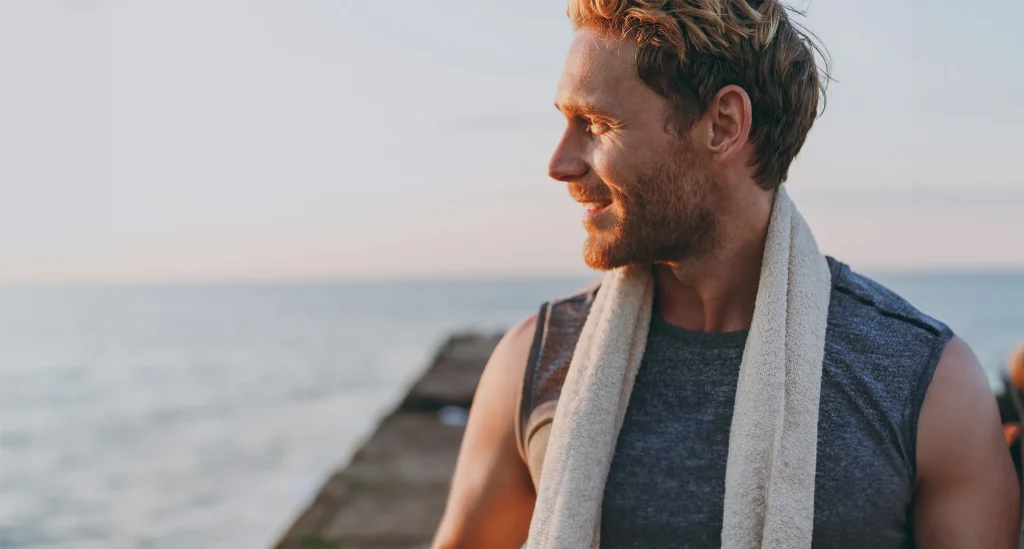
[[967, 493], [491, 499]]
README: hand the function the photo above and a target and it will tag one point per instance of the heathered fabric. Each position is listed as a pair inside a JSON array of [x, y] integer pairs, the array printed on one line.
[[666, 483]]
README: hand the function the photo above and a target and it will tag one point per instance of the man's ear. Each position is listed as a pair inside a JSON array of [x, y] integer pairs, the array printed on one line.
[[728, 117]]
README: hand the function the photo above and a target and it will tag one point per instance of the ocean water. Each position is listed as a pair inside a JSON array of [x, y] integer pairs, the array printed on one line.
[[173, 417]]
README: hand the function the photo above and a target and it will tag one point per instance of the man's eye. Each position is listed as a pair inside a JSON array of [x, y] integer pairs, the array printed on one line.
[[595, 127]]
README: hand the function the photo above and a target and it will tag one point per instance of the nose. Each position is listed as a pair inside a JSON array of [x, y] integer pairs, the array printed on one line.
[[567, 163]]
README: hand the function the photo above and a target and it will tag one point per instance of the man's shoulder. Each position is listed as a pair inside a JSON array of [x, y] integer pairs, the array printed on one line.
[[861, 301], [585, 294], [528, 332], [556, 330], [566, 314]]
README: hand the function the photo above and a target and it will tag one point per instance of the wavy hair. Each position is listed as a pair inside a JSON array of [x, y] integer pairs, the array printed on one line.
[[691, 49]]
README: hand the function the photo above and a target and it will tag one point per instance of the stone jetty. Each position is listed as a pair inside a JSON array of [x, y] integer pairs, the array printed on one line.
[[392, 492]]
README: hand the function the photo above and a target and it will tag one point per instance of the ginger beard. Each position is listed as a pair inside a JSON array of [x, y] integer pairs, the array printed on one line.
[[664, 212]]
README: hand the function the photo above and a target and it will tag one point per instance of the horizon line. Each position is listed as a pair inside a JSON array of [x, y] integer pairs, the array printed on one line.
[[1011, 271]]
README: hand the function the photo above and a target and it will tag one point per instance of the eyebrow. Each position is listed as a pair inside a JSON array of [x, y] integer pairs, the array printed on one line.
[[581, 108]]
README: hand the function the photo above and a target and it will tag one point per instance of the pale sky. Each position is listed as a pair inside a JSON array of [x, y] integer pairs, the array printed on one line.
[[217, 139]]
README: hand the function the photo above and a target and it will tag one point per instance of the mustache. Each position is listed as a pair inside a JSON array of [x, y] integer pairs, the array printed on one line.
[[590, 193]]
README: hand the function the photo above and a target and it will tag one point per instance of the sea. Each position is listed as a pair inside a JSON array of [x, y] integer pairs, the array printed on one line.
[[186, 416]]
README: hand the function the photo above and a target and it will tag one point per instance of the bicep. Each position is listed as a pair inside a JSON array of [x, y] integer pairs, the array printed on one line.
[[967, 493], [490, 502]]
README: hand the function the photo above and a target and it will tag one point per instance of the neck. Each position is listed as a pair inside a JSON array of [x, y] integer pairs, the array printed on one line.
[[717, 291]]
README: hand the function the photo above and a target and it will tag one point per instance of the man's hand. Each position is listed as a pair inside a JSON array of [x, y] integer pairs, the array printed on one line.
[[967, 493]]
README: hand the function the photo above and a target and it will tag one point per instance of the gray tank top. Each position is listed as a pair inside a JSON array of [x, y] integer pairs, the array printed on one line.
[[666, 484]]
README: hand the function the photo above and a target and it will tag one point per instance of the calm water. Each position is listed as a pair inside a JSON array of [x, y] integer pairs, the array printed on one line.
[[206, 416]]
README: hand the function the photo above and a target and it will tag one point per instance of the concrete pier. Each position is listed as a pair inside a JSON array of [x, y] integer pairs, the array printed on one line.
[[392, 493]]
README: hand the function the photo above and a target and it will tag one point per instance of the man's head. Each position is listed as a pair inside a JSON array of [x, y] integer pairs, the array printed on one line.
[[678, 112]]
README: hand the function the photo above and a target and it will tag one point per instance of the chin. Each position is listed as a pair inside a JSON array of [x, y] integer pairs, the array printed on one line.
[[603, 256]]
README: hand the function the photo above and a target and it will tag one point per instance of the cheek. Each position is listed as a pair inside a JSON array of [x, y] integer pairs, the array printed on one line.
[[615, 168]]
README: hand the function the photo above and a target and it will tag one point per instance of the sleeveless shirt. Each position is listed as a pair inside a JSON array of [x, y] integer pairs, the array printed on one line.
[[666, 484]]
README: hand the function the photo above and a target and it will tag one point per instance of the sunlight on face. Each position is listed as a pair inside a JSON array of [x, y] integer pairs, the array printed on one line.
[[647, 196]]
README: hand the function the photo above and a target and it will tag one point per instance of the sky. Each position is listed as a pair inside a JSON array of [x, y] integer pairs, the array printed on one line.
[[326, 139]]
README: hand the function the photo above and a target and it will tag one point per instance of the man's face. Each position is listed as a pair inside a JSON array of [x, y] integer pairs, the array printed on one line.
[[647, 193]]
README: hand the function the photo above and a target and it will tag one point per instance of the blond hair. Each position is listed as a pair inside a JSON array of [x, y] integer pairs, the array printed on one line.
[[691, 49]]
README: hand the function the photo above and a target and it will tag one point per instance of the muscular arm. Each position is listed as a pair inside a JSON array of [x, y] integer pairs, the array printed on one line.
[[491, 498], [967, 493]]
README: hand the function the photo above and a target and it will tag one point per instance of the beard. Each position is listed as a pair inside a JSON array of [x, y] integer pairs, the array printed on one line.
[[667, 214]]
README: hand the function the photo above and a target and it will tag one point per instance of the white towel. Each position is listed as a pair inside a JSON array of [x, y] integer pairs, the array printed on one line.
[[769, 481]]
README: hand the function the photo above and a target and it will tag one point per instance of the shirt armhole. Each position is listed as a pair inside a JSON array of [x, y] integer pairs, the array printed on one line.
[[524, 404]]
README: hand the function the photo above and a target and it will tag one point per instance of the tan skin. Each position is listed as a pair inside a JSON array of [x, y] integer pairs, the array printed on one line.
[[967, 494]]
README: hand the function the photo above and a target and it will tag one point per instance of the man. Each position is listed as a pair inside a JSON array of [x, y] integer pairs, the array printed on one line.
[[682, 119]]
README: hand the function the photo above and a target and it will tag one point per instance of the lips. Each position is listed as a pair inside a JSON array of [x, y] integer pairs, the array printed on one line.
[[595, 208], [597, 205], [590, 199], [593, 202]]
